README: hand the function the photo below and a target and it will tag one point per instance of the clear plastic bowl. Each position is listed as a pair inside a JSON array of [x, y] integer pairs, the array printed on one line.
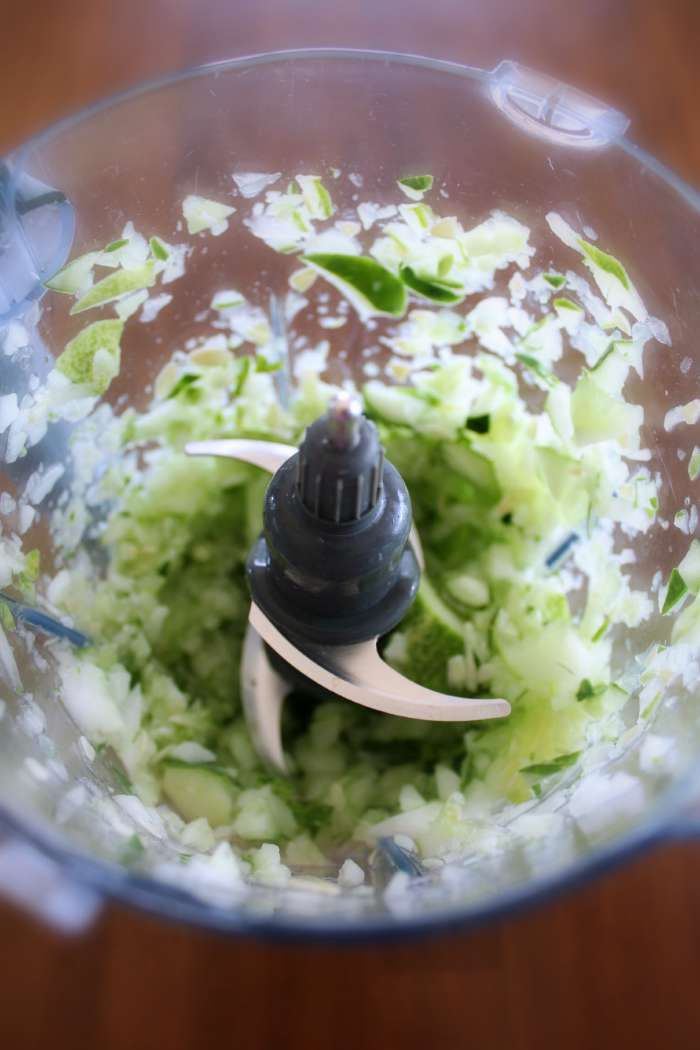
[[508, 139]]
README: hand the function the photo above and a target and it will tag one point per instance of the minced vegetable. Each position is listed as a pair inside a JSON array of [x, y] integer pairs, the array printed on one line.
[[519, 482]]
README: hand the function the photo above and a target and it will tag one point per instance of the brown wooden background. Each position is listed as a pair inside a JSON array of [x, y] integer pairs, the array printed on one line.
[[615, 965]]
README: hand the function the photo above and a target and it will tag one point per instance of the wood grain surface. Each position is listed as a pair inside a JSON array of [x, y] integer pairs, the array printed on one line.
[[614, 965]]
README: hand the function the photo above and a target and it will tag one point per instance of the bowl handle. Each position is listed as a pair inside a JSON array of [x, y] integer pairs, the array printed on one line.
[[544, 107], [37, 227]]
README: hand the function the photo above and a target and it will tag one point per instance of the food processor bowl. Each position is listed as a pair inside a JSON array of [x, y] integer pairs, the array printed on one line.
[[508, 140]]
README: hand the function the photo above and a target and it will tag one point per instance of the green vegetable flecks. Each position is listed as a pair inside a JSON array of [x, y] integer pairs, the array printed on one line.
[[675, 592], [479, 424], [417, 182], [430, 288], [133, 851], [7, 620], [263, 365], [547, 769], [414, 186], [309, 814], [607, 263], [183, 385], [122, 780], [601, 630], [243, 373], [587, 691], [537, 368], [32, 564], [116, 245], [604, 356], [26, 578], [567, 304], [158, 249]]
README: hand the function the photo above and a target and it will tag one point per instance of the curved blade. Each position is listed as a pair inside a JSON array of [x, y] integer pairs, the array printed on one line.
[[358, 673], [269, 455], [263, 693]]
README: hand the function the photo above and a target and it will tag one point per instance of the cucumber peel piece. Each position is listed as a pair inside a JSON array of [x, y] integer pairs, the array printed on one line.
[[316, 197], [548, 769], [115, 285], [414, 186], [675, 591], [609, 273], [694, 465], [368, 286], [76, 277], [436, 290], [606, 263], [158, 249], [566, 304], [537, 368], [689, 568], [116, 245]]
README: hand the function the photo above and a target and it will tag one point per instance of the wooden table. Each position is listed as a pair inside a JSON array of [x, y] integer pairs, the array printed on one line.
[[614, 965]]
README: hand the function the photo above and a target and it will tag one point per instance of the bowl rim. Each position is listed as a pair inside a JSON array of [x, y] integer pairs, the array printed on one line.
[[662, 823], [439, 65], [158, 898]]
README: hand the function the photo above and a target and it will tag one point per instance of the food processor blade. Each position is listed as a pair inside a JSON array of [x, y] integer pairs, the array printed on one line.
[[355, 672]]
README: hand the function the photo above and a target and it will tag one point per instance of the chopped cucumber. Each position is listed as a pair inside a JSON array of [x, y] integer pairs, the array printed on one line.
[[316, 196], [597, 416], [689, 567], [548, 769], [676, 590], [468, 590], [435, 290], [474, 466], [608, 272], [116, 285], [203, 214], [370, 288], [517, 494], [432, 634], [394, 404], [76, 277], [159, 250], [92, 357], [199, 790], [415, 186]]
